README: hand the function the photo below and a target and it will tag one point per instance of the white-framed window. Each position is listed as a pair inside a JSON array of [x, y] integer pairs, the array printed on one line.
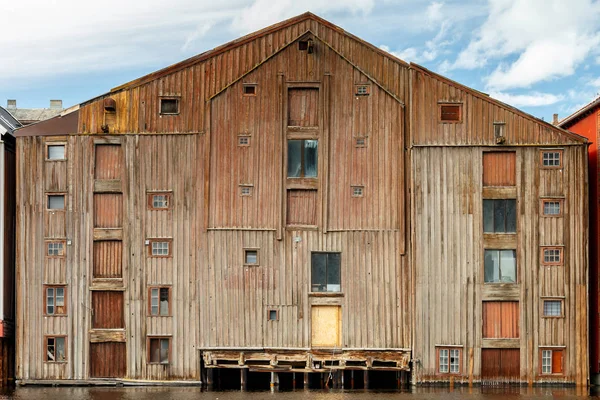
[[448, 360]]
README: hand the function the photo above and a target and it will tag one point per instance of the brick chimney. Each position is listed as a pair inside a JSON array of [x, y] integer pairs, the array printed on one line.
[[11, 104], [555, 119], [56, 104]]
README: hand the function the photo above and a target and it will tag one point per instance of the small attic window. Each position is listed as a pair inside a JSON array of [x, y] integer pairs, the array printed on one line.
[[244, 140], [360, 141], [169, 106], [362, 90], [249, 90], [450, 112], [302, 45]]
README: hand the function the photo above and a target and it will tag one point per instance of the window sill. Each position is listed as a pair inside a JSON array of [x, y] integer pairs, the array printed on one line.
[[326, 294]]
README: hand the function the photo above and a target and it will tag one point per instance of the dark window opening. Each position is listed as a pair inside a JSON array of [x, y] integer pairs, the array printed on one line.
[[302, 45], [159, 350], [169, 106], [450, 112], [302, 158], [500, 266], [245, 190], [273, 315], [249, 90], [500, 216], [361, 142], [325, 272]]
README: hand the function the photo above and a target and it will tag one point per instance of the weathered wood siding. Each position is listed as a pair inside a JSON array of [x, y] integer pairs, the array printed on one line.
[[150, 163], [448, 245], [478, 115], [198, 79], [378, 166], [236, 297]]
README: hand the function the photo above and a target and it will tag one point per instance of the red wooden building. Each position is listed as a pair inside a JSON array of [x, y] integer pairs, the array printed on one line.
[[586, 122]]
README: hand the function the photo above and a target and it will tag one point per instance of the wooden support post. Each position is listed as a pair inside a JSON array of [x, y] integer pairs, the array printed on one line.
[[306, 380], [210, 378], [366, 379], [274, 381], [343, 372], [244, 379]]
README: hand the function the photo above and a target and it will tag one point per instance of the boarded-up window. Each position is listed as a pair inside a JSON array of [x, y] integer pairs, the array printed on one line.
[[108, 259], [303, 107], [107, 310], [302, 207], [499, 168], [326, 326], [108, 210], [450, 113], [108, 360], [109, 163], [500, 319], [500, 365]]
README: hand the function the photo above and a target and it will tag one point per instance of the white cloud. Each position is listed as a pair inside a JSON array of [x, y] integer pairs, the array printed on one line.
[[262, 13], [549, 37], [436, 19], [534, 99]]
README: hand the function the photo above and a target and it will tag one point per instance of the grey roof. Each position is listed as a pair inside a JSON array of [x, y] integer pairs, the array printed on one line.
[[8, 122], [29, 115]]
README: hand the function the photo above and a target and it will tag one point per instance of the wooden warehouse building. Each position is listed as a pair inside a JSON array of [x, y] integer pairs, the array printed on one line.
[[300, 202]]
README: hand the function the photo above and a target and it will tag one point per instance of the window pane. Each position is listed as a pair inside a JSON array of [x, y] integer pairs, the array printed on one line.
[[272, 315], [60, 349], [154, 350], [552, 308], [60, 297], [333, 272], [511, 216], [154, 301], [164, 351], [310, 158], [251, 257], [499, 216], [50, 350], [546, 361], [491, 266], [508, 266], [488, 216], [50, 301], [56, 202], [319, 271], [164, 301], [444, 361], [294, 158], [56, 152], [454, 361]]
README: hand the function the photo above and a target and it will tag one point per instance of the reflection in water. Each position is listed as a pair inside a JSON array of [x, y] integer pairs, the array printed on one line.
[[189, 393]]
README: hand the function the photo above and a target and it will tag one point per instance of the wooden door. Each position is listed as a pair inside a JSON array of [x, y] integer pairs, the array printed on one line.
[[326, 326], [107, 310], [108, 360], [500, 366]]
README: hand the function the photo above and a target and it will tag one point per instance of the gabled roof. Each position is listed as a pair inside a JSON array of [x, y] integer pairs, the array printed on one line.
[[243, 40], [577, 115], [487, 98], [8, 122]]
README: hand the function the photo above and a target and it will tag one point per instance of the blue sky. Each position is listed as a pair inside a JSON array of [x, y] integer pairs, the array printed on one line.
[[542, 56]]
